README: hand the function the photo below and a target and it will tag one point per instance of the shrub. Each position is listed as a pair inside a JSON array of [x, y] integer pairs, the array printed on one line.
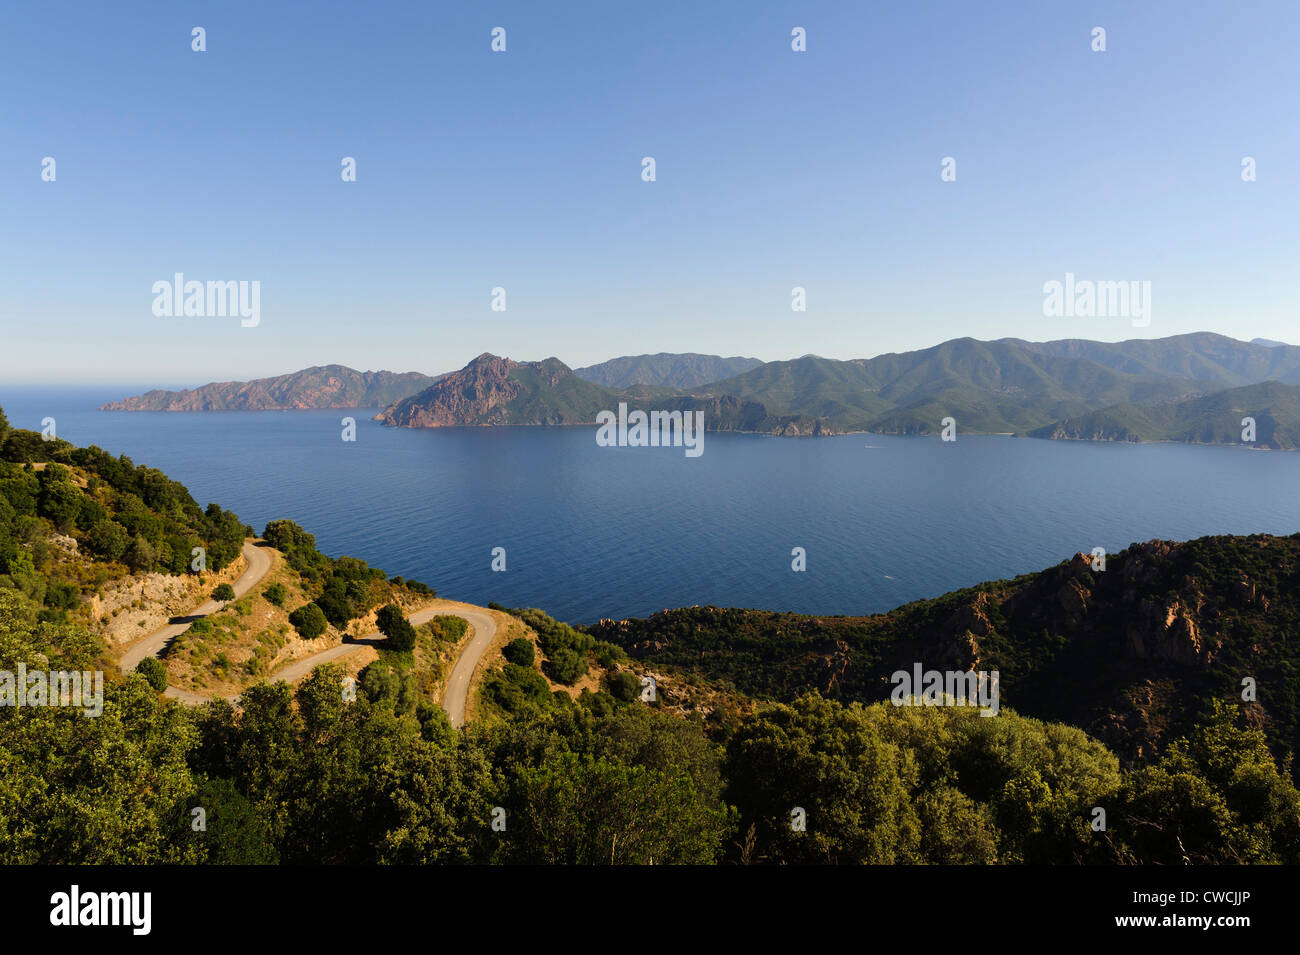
[[309, 620], [141, 556], [224, 593], [275, 594], [154, 671], [107, 540], [448, 628], [566, 666], [61, 595], [624, 685], [401, 635], [518, 690], [388, 617], [519, 651]]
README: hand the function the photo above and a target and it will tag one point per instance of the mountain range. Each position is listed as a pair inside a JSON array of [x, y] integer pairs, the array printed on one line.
[[1195, 388]]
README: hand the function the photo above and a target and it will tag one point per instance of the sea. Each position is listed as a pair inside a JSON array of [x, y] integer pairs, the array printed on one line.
[[545, 517]]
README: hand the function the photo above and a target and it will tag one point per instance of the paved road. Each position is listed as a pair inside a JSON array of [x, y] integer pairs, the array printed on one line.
[[259, 565], [455, 697], [456, 693]]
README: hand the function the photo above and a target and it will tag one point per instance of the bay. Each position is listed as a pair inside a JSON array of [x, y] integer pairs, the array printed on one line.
[[592, 532]]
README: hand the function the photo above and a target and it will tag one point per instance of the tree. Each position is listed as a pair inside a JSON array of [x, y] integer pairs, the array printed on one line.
[[387, 618], [830, 762], [565, 665], [285, 535], [519, 651], [59, 499], [309, 620], [141, 556], [154, 671], [402, 635], [223, 593], [107, 540], [233, 832], [1216, 798], [579, 810], [624, 685]]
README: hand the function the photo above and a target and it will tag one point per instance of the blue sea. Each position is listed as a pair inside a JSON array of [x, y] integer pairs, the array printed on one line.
[[592, 532]]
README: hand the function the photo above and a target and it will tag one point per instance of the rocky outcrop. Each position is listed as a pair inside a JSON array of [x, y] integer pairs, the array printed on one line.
[[1168, 631], [477, 394]]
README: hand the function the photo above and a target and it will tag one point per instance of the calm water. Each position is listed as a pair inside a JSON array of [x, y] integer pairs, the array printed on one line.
[[596, 532]]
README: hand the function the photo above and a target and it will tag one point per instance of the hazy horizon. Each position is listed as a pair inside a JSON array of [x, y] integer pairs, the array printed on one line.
[[394, 367]]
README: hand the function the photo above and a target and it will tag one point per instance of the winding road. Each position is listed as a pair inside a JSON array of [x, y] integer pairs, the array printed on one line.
[[259, 565], [455, 695]]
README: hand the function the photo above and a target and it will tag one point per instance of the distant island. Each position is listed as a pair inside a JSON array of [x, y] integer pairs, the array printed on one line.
[[1195, 388], [328, 386]]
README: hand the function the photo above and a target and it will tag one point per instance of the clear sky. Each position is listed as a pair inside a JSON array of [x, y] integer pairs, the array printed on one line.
[[522, 169]]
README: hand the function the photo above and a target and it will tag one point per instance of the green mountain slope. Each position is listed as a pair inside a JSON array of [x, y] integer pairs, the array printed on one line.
[[1133, 654], [1200, 356], [665, 370], [985, 386], [1206, 419], [1139, 390]]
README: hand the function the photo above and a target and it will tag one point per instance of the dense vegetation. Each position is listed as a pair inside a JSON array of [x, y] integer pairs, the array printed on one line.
[[343, 588], [682, 370], [1134, 654], [310, 776], [73, 518], [1202, 419], [811, 769]]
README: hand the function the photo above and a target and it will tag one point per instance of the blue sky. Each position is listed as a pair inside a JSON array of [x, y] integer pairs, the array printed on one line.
[[775, 169]]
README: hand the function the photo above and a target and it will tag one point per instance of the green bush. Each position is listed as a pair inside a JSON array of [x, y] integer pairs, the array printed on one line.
[[447, 627], [518, 690], [401, 635], [519, 651], [275, 594], [624, 685], [154, 671], [309, 620], [424, 590], [388, 617], [565, 666], [107, 540], [223, 593]]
